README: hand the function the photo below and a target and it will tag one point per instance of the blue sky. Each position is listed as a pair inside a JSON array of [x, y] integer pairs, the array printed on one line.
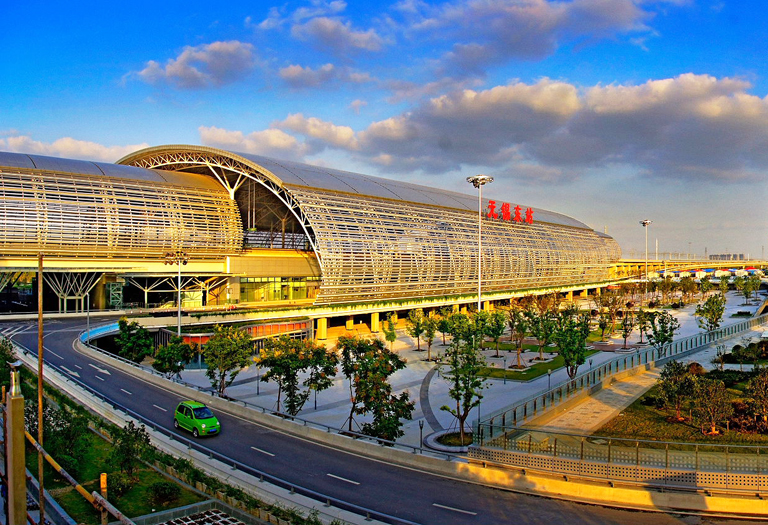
[[610, 111]]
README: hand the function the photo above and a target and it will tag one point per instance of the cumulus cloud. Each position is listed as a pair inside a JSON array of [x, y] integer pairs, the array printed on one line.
[[326, 132], [489, 32], [269, 142], [336, 36], [691, 127], [68, 147], [299, 77], [203, 66], [317, 8]]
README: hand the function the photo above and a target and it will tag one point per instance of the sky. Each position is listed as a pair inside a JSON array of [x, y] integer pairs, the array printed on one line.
[[609, 111]]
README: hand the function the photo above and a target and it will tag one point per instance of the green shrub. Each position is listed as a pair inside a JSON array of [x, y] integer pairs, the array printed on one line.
[[118, 484], [164, 492]]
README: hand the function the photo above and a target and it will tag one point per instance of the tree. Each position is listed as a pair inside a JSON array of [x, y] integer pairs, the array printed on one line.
[[461, 368], [444, 322], [687, 287], [367, 365], [709, 315], [757, 389], [67, 437], [390, 331], [172, 358], [724, 283], [541, 325], [663, 328], [225, 353], [571, 336], [675, 386], [134, 342], [603, 322], [740, 283], [129, 445], [754, 283], [519, 325], [705, 285], [712, 404], [665, 286], [430, 328], [643, 322], [610, 302], [627, 327], [497, 323], [415, 325], [286, 358]]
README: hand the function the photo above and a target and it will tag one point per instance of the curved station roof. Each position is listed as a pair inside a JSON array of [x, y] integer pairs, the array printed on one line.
[[374, 239]]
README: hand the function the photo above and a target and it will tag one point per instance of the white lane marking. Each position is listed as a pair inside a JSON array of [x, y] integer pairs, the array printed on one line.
[[100, 378], [78, 366], [124, 390], [263, 451], [343, 479], [102, 370], [160, 408], [49, 351], [70, 372], [454, 509]]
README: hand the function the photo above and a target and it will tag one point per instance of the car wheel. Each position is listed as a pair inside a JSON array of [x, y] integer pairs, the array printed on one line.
[[175, 423], [195, 432]]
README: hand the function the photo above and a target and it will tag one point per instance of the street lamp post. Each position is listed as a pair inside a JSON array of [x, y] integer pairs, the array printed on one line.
[[549, 379], [646, 223], [505, 369], [178, 257], [478, 181]]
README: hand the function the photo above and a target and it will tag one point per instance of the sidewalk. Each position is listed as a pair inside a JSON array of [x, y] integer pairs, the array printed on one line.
[[421, 379]]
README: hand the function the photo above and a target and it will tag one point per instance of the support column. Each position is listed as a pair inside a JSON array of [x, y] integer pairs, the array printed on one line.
[[464, 309], [569, 296], [584, 293], [321, 330], [487, 306], [350, 325], [598, 291], [455, 308], [14, 447], [375, 329]]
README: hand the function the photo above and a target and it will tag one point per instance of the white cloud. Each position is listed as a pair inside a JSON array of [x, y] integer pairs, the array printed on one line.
[[276, 17], [203, 66], [68, 147], [357, 104], [337, 36], [269, 142], [328, 133], [300, 77]]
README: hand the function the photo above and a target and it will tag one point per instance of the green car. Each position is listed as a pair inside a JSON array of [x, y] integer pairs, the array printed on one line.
[[197, 418]]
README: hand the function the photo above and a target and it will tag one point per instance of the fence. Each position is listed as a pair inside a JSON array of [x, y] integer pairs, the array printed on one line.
[[671, 464], [497, 422]]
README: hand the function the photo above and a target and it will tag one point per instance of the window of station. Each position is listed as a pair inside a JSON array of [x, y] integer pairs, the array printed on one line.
[[272, 289]]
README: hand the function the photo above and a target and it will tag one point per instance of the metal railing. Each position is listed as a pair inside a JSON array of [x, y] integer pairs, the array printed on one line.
[[658, 463], [629, 362]]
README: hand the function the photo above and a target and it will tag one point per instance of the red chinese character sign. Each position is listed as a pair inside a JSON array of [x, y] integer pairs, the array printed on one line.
[[505, 213]]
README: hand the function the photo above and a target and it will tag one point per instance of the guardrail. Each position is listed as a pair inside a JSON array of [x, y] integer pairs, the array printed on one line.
[[631, 361], [739, 468]]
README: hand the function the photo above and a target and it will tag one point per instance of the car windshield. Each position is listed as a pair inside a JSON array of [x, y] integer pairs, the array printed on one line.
[[202, 413]]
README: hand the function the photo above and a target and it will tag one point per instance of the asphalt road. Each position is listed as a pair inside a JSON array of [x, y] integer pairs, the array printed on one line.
[[403, 493]]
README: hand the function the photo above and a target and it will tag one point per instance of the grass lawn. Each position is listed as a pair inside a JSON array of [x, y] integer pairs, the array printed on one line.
[[136, 502], [533, 372], [640, 421]]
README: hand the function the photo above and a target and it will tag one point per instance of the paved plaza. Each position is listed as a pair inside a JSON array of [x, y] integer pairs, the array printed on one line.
[[422, 379]]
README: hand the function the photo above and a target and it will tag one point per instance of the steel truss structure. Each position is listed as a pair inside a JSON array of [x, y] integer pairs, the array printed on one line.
[[84, 209], [376, 239]]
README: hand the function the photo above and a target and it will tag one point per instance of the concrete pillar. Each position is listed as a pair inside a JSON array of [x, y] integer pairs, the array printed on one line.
[[455, 308], [488, 306], [375, 328], [232, 294], [321, 329], [584, 293], [17, 475], [569, 296], [464, 309], [598, 291], [350, 325]]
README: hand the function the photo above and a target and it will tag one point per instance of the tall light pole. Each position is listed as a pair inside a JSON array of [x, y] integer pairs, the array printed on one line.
[[178, 257], [646, 223], [478, 181]]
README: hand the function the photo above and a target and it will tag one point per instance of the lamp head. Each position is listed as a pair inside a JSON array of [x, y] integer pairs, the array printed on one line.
[[479, 180], [645, 223]]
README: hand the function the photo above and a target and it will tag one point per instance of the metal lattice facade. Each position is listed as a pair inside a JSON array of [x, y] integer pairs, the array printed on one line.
[[66, 213], [377, 239]]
